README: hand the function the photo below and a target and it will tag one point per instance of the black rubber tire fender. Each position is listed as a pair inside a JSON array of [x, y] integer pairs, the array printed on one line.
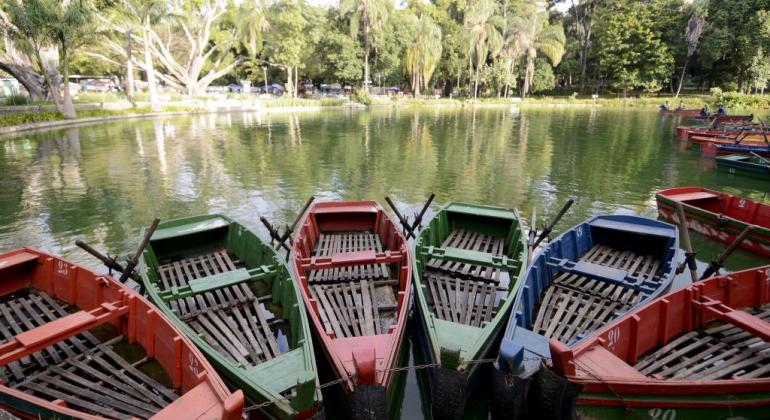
[[508, 396], [448, 391], [552, 396], [369, 402]]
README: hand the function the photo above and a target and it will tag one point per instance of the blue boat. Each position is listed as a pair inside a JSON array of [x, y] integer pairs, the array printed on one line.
[[585, 278], [726, 149]]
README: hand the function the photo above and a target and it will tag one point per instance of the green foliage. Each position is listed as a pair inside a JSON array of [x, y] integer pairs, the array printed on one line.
[[19, 118], [632, 55], [544, 78], [343, 57], [13, 100], [423, 53], [361, 96], [733, 100]]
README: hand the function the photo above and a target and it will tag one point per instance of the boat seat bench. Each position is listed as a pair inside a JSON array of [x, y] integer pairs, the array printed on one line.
[[692, 196], [471, 254], [575, 304], [80, 370]]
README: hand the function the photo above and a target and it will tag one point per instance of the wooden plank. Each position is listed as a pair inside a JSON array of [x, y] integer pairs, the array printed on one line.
[[367, 301], [268, 332], [375, 308], [251, 320]]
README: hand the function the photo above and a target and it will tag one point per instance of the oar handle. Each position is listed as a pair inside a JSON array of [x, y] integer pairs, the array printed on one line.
[[401, 218], [419, 216], [685, 234], [532, 234], [143, 244], [549, 228], [290, 229], [110, 262], [274, 234], [719, 262]]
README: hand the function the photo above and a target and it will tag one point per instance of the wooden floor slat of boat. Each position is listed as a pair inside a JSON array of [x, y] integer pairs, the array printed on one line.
[[232, 319], [472, 241], [464, 301], [721, 351], [82, 371], [574, 305]]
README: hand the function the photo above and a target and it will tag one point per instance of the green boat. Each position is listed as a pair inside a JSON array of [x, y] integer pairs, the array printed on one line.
[[234, 297], [469, 261], [748, 165]]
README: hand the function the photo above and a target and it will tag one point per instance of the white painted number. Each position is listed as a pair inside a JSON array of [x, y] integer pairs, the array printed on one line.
[[193, 365], [579, 231], [742, 203], [662, 414], [62, 268], [613, 337]]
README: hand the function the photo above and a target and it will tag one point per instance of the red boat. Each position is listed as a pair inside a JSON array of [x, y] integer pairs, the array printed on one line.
[[720, 216], [725, 140], [354, 268], [697, 353], [688, 113], [730, 119], [76, 344], [750, 131]]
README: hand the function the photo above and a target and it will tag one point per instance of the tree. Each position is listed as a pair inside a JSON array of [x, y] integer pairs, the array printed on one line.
[[288, 40], [39, 24], [21, 61], [632, 54], [695, 25], [423, 54], [342, 56], [484, 25], [530, 33], [370, 16]]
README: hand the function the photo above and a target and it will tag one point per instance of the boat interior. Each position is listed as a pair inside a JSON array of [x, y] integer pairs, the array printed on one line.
[[224, 283], [354, 267], [467, 262], [71, 337], [594, 273]]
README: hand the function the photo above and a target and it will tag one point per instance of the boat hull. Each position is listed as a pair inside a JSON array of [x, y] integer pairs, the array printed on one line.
[[715, 226], [461, 344], [334, 255], [285, 370], [689, 354], [743, 165], [67, 313]]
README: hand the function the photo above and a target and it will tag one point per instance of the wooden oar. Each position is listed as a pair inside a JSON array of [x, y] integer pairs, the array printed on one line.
[[133, 261], [280, 239], [718, 262], [418, 216], [549, 228], [108, 261], [689, 260], [532, 234], [404, 223]]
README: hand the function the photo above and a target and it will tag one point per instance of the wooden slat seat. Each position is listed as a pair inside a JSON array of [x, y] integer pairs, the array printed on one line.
[[721, 351], [329, 244], [472, 241], [574, 305], [82, 371], [357, 307], [182, 272], [693, 196]]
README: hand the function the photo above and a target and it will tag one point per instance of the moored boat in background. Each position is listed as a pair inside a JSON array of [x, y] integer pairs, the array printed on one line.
[[697, 353], [579, 282], [234, 297], [353, 268], [748, 165], [77, 344], [469, 260], [718, 215]]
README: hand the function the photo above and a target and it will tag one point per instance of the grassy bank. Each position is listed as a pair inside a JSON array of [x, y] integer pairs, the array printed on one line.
[[11, 119]]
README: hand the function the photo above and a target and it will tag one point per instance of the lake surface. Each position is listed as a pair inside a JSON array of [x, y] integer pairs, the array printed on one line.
[[104, 183]]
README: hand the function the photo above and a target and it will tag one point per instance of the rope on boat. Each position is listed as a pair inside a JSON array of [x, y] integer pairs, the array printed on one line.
[[349, 377]]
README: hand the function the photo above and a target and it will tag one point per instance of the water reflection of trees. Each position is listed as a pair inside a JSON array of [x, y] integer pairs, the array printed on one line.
[[103, 183]]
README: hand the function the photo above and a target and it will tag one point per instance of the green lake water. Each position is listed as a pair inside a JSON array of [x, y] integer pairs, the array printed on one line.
[[104, 183]]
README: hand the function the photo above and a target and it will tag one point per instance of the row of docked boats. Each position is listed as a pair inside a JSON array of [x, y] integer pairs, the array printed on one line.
[[584, 325], [741, 149]]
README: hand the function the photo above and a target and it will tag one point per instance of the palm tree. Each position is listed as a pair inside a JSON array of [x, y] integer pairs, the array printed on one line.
[[424, 53], [371, 15], [531, 33], [694, 30], [486, 38]]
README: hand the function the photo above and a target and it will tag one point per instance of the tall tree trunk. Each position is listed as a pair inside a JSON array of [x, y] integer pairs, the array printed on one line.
[[289, 82], [296, 81], [33, 82], [150, 70], [129, 68], [681, 78], [366, 58], [476, 85], [48, 62], [68, 109]]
